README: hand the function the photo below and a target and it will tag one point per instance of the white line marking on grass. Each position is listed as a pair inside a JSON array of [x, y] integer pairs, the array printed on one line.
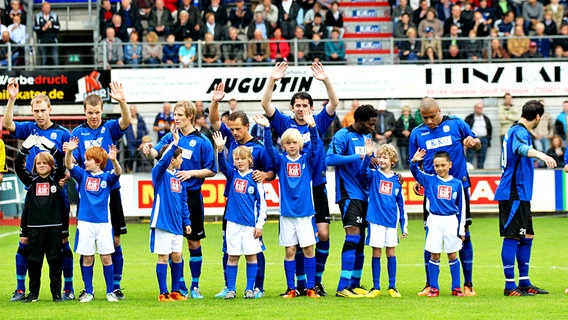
[[8, 234]]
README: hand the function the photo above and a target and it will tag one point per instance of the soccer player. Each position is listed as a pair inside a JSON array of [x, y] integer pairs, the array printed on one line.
[[45, 220], [385, 211], [237, 134], [94, 228], [453, 135], [103, 133], [169, 218], [294, 169], [44, 127], [444, 199], [514, 194], [245, 215], [301, 105], [346, 152], [198, 164]]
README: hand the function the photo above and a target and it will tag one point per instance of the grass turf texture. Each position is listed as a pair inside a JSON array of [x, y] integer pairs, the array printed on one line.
[[549, 270]]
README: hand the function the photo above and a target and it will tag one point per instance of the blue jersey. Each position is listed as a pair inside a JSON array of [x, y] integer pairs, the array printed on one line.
[[344, 152], [94, 192], [281, 122], [517, 170], [386, 203], [295, 177], [245, 205], [56, 133], [448, 136], [197, 154], [169, 209], [107, 134]]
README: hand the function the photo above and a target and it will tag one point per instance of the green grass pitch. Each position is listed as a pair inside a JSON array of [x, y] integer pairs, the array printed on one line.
[[549, 269]]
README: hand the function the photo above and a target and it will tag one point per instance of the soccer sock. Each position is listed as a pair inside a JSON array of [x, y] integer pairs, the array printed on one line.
[[358, 265], [252, 269], [21, 266], [433, 272], [260, 270], [300, 270], [290, 270], [225, 259], [87, 273], [466, 259], [427, 256], [455, 273], [118, 265], [322, 252], [523, 261], [232, 277], [176, 269], [347, 260], [182, 284], [109, 277], [67, 265], [376, 268], [508, 253], [161, 274], [310, 267], [195, 261], [391, 267]]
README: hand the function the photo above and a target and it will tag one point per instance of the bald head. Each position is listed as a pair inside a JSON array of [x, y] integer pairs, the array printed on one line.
[[430, 112]]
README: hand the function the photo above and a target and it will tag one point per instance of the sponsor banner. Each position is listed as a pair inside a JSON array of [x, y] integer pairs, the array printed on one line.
[[62, 87], [10, 190]]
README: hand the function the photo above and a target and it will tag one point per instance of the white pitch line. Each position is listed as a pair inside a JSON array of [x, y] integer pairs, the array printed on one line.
[[8, 234]]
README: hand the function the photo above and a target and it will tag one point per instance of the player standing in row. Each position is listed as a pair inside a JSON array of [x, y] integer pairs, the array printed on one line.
[[237, 134], [453, 135], [302, 105], [346, 152], [514, 194], [96, 132], [198, 164], [44, 127]]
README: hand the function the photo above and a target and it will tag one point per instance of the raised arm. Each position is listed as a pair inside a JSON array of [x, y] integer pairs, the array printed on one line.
[[117, 94], [113, 151], [268, 146], [217, 95], [8, 122], [319, 73], [20, 164], [277, 73], [69, 147]]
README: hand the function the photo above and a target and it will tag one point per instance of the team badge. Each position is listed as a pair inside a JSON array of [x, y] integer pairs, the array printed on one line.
[[93, 184], [42, 189], [175, 185], [251, 189], [240, 185], [53, 135], [53, 189], [293, 169], [103, 130], [192, 143], [385, 187], [103, 184], [446, 128], [444, 192]]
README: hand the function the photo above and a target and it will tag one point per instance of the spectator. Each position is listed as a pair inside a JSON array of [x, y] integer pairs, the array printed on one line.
[[219, 11], [183, 28], [259, 23], [317, 50], [532, 53], [187, 53], [349, 119], [335, 48], [550, 26], [218, 30], [496, 52], [134, 133], [152, 50], [234, 52], [518, 44], [505, 26], [507, 114], [558, 52], [480, 25], [466, 17], [454, 20], [403, 25], [385, 124], [560, 126], [258, 51], [160, 19], [269, 12], [163, 121], [562, 41], [203, 128], [233, 105], [130, 16], [487, 12], [16, 8], [106, 12], [120, 30], [301, 48], [403, 127], [555, 10], [557, 150], [133, 50], [194, 15], [144, 8], [533, 12], [316, 27], [402, 8], [170, 52], [5, 55], [410, 49], [17, 30], [310, 14], [543, 132], [288, 11], [334, 19], [520, 21], [453, 40], [443, 9], [210, 51], [431, 21], [473, 47], [240, 16], [454, 53], [114, 54], [502, 7], [279, 47], [46, 26], [481, 126], [430, 55], [430, 40], [419, 14]]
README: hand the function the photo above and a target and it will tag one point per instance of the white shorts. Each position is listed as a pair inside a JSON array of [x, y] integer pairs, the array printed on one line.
[[164, 242], [380, 236], [442, 234], [295, 231], [92, 238], [241, 240]]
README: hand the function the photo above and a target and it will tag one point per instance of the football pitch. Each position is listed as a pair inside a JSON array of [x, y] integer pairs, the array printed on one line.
[[549, 270]]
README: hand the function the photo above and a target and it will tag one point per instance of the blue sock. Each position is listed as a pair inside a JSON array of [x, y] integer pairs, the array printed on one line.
[[225, 259], [87, 273], [523, 261], [67, 265], [161, 274], [252, 269], [232, 277], [21, 266], [358, 266], [391, 268], [376, 267], [455, 273], [322, 252], [290, 270], [347, 260], [176, 269], [260, 270], [310, 267], [300, 270], [118, 265], [508, 253], [433, 272], [109, 277], [466, 259], [427, 256], [182, 284], [195, 262]]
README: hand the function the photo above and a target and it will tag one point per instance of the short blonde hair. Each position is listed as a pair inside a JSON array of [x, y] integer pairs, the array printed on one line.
[[45, 157], [39, 98], [291, 135], [243, 152], [189, 109], [389, 151]]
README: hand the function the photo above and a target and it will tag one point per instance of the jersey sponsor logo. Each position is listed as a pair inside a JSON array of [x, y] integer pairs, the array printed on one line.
[[187, 154], [444, 192], [42, 189], [293, 169], [385, 187], [240, 185], [360, 150], [93, 143], [438, 142], [93, 184], [175, 185], [306, 137]]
